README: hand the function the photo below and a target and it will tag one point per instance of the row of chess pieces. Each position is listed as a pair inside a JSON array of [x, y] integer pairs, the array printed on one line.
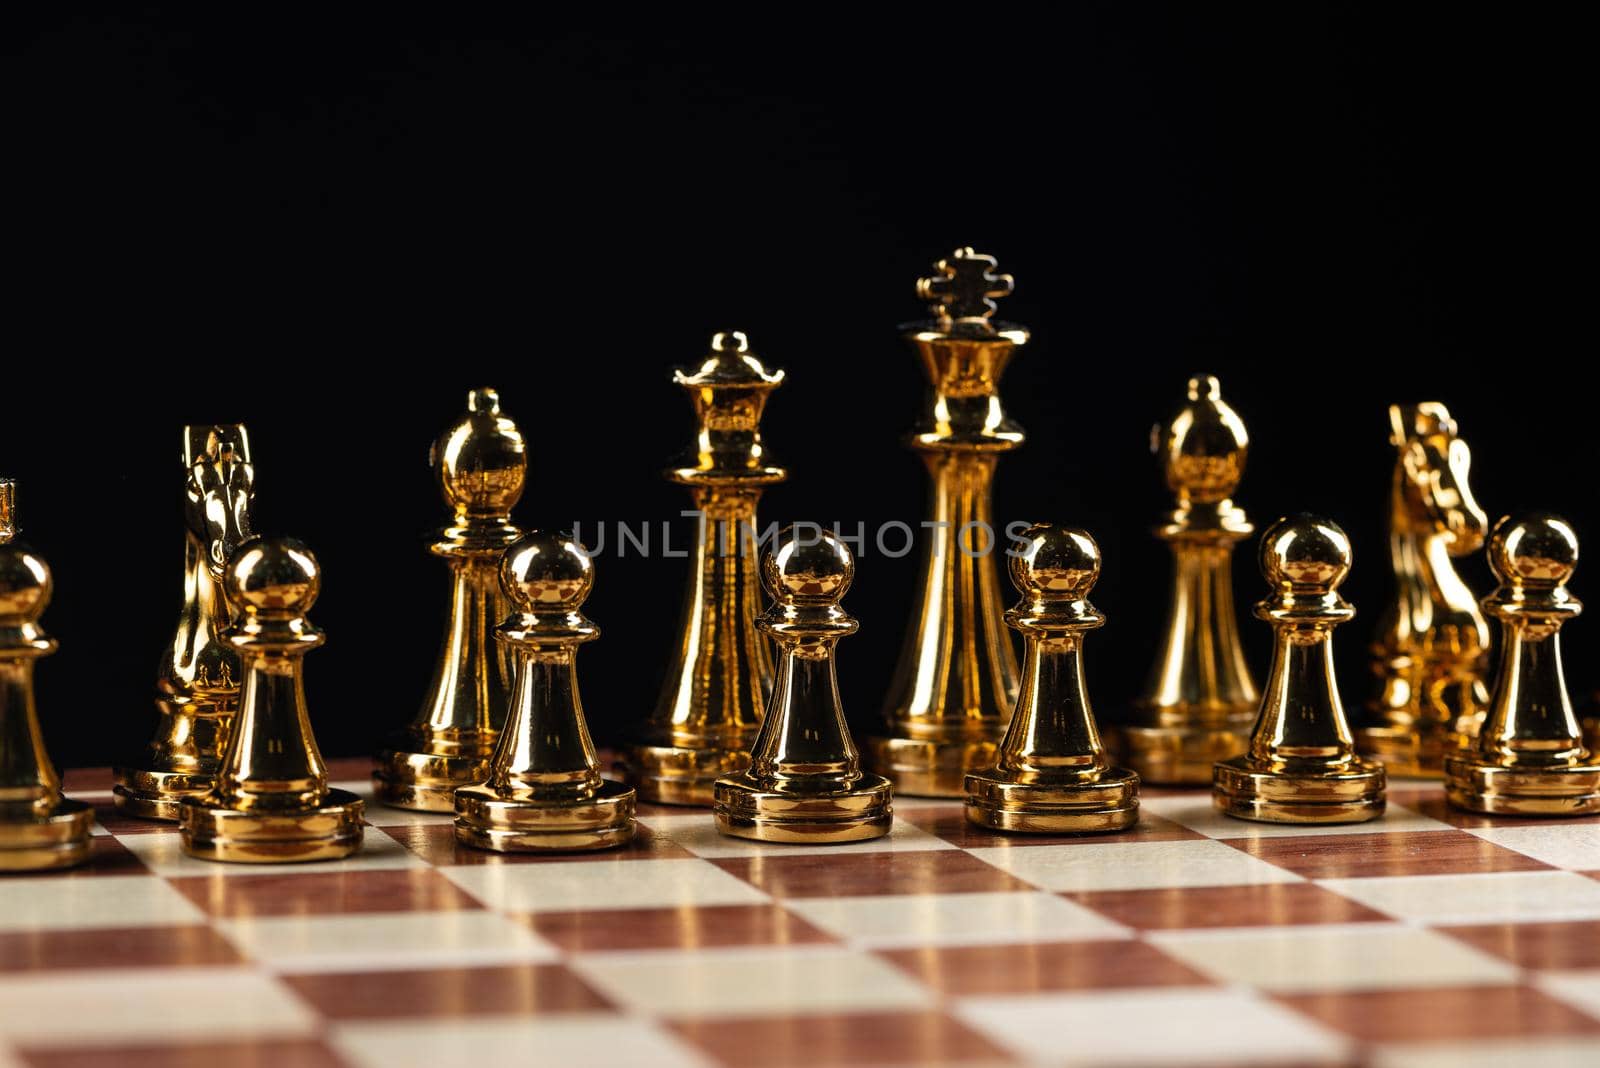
[[750, 723]]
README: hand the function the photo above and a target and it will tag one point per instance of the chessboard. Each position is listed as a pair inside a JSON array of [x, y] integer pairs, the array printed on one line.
[[1429, 937]]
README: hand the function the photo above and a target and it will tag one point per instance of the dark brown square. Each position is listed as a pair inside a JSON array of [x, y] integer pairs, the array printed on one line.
[[964, 971], [259, 1053], [1267, 904], [675, 928], [294, 893], [85, 781], [950, 823], [517, 990], [1536, 945], [118, 947], [1444, 1013], [436, 843], [1344, 856], [865, 1038], [109, 816], [937, 871]]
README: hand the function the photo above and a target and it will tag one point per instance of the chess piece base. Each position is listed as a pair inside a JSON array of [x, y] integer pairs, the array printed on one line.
[[43, 843], [683, 775], [1572, 790], [1110, 803], [427, 782], [329, 831], [1183, 755], [158, 795], [746, 809], [1249, 792], [920, 768], [1411, 753], [485, 820], [1591, 733]]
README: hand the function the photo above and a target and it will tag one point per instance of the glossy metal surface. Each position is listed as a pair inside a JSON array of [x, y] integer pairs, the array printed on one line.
[[805, 782], [39, 829], [481, 464], [721, 673], [544, 790], [1301, 766], [1431, 652], [1530, 758], [197, 685], [957, 678], [271, 802], [1052, 775], [1201, 699]]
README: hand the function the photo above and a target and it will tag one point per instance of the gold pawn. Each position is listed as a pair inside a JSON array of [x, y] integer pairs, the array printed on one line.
[[482, 465], [721, 674], [39, 829], [1530, 758], [805, 782], [957, 678], [544, 790], [1201, 699], [1432, 646], [197, 689], [1301, 766], [1052, 775], [271, 803]]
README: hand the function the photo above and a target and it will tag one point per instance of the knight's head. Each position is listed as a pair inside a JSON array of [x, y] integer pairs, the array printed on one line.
[[220, 486], [1433, 465]]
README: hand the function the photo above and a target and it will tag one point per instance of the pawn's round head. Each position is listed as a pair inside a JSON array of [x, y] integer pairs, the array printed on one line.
[[808, 567], [273, 577], [1537, 550], [24, 586], [1305, 554], [546, 571], [1055, 563], [482, 461]]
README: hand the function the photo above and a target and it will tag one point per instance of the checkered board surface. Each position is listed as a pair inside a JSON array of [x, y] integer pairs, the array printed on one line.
[[1427, 938]]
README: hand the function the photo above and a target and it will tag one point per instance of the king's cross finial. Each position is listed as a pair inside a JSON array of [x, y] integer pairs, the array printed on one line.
[[964, 286]]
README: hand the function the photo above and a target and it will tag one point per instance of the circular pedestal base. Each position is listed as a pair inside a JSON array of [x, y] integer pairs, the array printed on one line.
[[157, 795], [745, 808], [425, 782], [1570, 790], [921, 768], [329, 831], [1410, 752], [683, 775], [41, 843], [1109, 803], [485, 820], [1242, 789], [1183, 755]]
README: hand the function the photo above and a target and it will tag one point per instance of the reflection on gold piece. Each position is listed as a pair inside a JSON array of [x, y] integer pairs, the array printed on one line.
[[1432, 646], [721, 673], [1530, 758], [805, 783], [957, 678], [197, 689], [1201, 699], [271, 803], [1052, 775], [543, 791], [39, 829], [1301, 766], [481, 464]]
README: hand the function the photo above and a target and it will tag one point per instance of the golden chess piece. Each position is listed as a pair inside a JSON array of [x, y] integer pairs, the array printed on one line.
[[1201, 699], [544, 790], [39, 829], [1529, 758], [1052, 775], [721, 674], [481, 464], [1301, 766], [1431, 652], [957, 678], [271, 803], [805, 782], [197, 683]]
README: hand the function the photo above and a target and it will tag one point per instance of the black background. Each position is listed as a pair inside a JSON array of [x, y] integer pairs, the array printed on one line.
[[332, 229]]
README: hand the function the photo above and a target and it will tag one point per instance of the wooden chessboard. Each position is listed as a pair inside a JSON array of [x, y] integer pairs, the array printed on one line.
[[1427, 938]]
